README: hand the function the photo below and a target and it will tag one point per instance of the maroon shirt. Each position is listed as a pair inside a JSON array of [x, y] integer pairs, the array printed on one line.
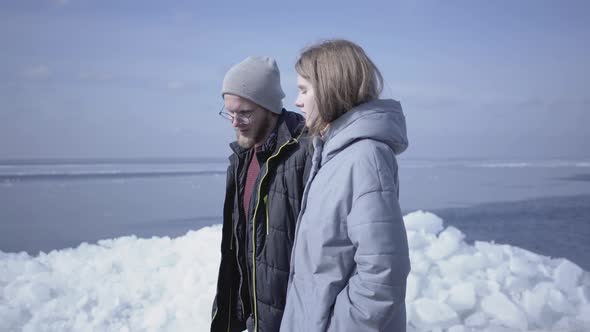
[[253, 170]]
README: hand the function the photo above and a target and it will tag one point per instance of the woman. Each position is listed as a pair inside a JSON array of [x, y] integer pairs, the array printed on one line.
[[350, 258]]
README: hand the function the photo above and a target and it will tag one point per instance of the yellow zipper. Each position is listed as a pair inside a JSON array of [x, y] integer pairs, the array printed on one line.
[[254, 231], [266, 205]]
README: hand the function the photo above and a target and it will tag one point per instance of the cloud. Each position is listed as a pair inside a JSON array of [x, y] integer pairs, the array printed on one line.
[[36, 72]]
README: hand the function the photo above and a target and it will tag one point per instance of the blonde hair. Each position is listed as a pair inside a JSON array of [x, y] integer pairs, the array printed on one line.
[[342, 76]]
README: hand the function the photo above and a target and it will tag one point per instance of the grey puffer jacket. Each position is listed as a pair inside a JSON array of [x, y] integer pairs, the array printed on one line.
[[350, 259]]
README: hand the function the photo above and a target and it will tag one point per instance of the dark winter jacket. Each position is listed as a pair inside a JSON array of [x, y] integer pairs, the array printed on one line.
[[257, 288]]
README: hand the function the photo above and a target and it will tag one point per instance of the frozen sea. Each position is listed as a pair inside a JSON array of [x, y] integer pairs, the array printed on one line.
[[539, 205]]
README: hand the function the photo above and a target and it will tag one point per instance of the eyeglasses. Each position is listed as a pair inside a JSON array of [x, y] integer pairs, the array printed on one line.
[[241, 116]]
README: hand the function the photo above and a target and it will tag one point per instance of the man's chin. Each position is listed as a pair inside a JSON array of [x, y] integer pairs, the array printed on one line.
[[245, 142]]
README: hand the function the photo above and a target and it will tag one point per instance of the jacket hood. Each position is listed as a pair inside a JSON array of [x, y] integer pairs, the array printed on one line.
[[381, 120]]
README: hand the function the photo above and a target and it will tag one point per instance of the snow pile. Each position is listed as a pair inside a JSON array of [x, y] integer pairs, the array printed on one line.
[[126, 284], [163, 284], [457, 287]]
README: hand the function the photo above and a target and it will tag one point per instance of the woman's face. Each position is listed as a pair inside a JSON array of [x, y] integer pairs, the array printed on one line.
[[306, 100]]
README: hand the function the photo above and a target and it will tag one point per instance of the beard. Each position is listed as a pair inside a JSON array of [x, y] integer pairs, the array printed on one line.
[[257, 132]]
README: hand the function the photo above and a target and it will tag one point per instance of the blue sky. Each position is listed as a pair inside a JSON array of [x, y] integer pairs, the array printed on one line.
[[96, 79]]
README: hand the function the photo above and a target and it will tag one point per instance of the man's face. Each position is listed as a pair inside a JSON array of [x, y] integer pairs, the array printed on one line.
[[254, 130]]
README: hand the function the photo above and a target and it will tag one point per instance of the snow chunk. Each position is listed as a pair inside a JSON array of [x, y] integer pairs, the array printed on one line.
[[417, 240], [462, 297], [584, 314], [476, 320], [447, 243], [521, 266], [423, 221], [457, 328], [558, 302], [462, 265], [502, 309], [493, 253], [584, 294], [433, 314], [566, 275], [412, 287]]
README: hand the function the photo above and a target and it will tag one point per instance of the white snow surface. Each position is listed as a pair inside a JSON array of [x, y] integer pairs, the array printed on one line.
[[163, 284]]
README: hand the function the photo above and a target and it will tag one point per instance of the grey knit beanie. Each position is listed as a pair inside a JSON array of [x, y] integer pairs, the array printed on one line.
[[258, 79]]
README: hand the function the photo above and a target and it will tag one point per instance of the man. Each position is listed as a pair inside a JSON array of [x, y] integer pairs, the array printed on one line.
[[265, 182]]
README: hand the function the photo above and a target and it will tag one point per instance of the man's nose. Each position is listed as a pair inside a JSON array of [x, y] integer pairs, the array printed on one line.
[[235, 122]]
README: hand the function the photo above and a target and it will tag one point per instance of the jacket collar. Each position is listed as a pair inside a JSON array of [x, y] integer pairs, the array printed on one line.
[[289, 126]]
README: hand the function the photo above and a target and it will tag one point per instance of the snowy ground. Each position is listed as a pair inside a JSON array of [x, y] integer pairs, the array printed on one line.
[[162, 284]]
